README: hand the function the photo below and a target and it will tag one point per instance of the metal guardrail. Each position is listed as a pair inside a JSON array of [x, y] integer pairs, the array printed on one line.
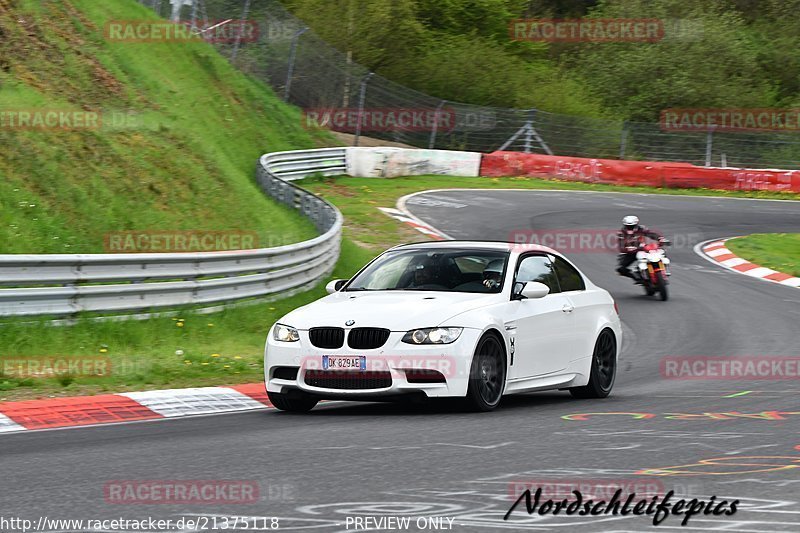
[[110, 283]]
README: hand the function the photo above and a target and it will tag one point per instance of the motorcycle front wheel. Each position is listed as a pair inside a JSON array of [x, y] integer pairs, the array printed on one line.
[[661, 286]]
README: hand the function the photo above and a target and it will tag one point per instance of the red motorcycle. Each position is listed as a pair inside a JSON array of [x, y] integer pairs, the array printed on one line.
[[653, 268]]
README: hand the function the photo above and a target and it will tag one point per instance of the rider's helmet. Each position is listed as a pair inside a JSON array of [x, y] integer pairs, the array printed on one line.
[[493, 273], [630, 223]]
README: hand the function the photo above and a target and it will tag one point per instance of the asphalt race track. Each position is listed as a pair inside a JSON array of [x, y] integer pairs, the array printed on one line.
[[396, 460]]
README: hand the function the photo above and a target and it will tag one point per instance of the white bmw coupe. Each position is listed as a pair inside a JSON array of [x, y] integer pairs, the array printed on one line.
[[476, 320]]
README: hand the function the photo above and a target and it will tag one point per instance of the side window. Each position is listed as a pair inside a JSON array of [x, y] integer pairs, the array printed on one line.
[[569, 278], [538, 268]]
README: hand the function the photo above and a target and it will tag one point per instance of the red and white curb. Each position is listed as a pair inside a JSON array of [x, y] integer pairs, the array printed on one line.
[[130, 406], [717, 252], [407, 218]]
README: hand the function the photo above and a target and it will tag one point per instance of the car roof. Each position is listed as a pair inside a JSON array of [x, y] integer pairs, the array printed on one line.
[[481, 245]]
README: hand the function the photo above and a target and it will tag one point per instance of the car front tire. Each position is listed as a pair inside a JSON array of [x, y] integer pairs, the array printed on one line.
[[487, 378], [292, 404], [604, 368]]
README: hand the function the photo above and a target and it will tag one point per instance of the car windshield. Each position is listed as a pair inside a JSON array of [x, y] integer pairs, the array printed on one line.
[[440, 269]]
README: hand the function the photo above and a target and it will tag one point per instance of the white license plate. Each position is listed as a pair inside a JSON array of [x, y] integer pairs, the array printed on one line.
[[344, 362]]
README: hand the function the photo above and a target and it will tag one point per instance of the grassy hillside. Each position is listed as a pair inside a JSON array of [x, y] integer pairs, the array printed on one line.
[[183, 160]]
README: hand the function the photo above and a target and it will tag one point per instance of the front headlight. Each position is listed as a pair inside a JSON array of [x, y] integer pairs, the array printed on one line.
[[285, 333], [432, 335]]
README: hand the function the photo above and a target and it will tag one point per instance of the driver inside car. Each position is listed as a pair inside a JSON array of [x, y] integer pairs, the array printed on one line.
[[493, 274], [491, 279], [424, 275]]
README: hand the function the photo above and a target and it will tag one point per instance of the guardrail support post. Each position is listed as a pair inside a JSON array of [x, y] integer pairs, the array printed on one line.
[[362, 95], [290, 69]]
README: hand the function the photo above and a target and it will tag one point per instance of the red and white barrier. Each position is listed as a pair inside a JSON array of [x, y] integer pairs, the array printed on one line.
[[647, 173]]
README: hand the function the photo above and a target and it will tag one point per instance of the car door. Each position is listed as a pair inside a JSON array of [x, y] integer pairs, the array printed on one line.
[[585, 302], [542, 328]]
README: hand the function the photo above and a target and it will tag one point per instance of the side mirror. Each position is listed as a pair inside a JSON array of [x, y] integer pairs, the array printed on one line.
[[335, 285], [534, 290]]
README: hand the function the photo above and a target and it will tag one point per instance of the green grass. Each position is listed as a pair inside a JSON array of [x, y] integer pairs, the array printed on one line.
[[778, 251], [185, 161], [359, 198]]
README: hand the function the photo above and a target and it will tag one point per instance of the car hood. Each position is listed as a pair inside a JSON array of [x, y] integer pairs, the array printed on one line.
[[394, 310]]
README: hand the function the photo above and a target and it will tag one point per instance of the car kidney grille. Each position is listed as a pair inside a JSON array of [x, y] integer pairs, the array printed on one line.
[[367, 338], [338, 379], [330, 338]]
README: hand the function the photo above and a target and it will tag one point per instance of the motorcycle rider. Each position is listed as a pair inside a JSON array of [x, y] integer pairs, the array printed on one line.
[[630, 238]]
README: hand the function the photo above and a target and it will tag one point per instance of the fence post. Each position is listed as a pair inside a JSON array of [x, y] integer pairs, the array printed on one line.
[[290, 70], [435, 129], [709, 144], [245, 14], [623, 141], [194, 14], [361, 97]]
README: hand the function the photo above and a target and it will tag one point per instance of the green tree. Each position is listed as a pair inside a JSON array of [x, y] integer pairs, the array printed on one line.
[[707, 58], [379, 33]]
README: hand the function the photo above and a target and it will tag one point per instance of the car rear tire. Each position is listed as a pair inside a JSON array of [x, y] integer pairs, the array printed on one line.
[[487, 378], [292, 404], [604, 368]]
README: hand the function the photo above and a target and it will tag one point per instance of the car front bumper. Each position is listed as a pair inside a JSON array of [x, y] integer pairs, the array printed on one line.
[[396, 362]]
